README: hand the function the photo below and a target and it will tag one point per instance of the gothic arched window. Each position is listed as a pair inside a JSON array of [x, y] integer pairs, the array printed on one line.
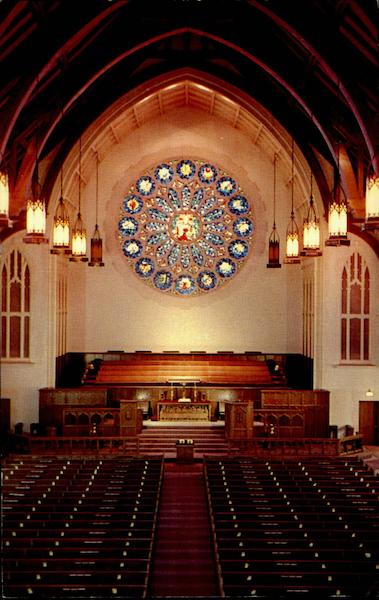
[[355, 310], [15, 306]]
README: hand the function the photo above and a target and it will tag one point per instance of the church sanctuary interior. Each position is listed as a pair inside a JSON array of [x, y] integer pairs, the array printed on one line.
[[189, 228]]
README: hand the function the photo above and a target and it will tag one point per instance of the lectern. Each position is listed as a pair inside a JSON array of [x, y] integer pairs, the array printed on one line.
[[184, 451], [239, 420], [130, 420]]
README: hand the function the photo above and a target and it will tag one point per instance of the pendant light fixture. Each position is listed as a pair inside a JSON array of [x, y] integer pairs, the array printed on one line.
[[372, 202], [274, 241], [337, 217], [4, 198], [35, 211], [96, 241], [79, 234], [4, 194], [292, 236], [311, 229], [61, 226]]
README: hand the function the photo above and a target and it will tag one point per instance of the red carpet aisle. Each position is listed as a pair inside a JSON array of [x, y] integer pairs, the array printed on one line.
[[183, 563]]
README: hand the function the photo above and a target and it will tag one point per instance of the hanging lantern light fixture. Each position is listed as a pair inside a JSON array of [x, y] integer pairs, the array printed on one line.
[[79, 241], [35, 212], [311, 229], [337, 224], [337, 217], [4, 194], [372, 202], [96, 249], [61, 229], [79, 234], [61, 226], [274, 241], [96, 241], [35, 222], [4, 198], [292, 236]]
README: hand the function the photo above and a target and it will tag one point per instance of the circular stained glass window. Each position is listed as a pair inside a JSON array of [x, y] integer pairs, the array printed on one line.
[[185, 227]]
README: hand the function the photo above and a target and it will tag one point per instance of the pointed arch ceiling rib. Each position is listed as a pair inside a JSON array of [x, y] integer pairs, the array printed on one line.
[[266, 50], [185, 89]]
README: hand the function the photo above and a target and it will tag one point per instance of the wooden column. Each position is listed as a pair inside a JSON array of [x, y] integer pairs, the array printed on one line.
[[239, 420]]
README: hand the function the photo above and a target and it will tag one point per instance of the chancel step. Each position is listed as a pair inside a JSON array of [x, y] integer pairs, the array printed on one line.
[[162, 439]]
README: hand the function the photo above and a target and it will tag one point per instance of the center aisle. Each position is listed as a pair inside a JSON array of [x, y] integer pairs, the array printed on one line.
[[183, 561]]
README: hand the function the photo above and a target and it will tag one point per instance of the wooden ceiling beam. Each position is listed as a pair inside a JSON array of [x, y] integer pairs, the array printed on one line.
[[24, 95]]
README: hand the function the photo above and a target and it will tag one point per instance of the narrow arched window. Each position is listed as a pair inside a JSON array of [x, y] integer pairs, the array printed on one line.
[[15, 307], [355, 310]]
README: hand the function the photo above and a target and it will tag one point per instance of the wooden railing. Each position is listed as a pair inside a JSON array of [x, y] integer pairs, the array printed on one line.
[[269, 446], [91, 444]]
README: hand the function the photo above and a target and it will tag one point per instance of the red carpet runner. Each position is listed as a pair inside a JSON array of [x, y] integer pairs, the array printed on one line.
[[183, 563]]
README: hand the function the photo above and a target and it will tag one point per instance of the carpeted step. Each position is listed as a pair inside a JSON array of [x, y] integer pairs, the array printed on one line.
[[160, 439]]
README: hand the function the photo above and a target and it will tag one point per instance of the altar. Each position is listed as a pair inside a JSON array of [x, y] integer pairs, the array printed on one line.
[[184, 411]]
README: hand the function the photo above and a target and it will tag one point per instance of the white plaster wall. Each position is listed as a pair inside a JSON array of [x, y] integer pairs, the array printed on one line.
[[260, 309], [21, 380]]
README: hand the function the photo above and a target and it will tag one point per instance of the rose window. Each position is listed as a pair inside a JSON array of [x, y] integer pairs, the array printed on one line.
[[186, 227]]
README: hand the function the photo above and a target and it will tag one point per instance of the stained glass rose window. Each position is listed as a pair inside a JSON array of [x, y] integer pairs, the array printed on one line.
[[185, 227]]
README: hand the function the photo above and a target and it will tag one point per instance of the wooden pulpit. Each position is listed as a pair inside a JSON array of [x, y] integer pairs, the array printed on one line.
[[239, 420], [130, 418]]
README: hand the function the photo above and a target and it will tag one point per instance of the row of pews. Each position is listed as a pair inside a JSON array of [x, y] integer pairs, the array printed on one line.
[[294, 529], [211, 370], [79, 527], [85, 527]]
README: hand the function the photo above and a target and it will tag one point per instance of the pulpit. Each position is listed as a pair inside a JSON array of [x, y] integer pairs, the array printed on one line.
[[130, 418], [239, 420]]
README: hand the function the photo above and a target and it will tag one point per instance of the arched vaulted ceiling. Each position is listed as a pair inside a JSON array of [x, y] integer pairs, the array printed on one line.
[[313, 65]]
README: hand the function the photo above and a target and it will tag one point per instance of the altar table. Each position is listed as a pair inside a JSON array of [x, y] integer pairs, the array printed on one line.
[[184, 411]]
